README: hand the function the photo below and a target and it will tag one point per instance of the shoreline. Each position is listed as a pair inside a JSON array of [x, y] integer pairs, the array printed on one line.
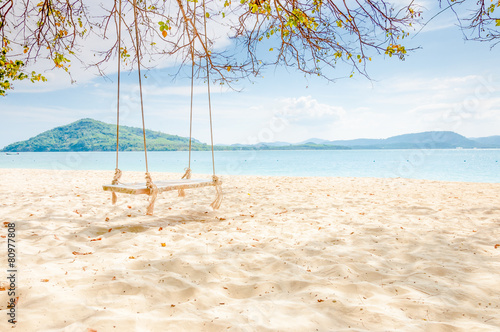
[[282, 253], [138, 176]]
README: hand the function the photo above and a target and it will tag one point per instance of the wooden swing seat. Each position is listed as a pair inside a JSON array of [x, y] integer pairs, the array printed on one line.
[[141, 188]]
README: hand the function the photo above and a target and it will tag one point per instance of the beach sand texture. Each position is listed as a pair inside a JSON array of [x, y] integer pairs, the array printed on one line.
[[281, 254]]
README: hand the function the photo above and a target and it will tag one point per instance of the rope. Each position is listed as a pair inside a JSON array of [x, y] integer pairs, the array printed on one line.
[[118, 173], [119, 71], [217, 182], [192, 91], [116, 180], [140, 82], [149, 182], [153, 192], [208, 87], [218, 189], [187, 175]]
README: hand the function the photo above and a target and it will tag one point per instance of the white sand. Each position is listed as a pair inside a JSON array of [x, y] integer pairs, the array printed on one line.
[[282, 254]]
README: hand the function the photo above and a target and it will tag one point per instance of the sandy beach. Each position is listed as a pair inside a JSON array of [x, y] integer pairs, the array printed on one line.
[[281, 254]]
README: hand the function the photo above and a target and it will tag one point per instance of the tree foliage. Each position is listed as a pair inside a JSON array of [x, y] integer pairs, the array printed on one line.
[[483, 22], [312, 36], [11, 70]]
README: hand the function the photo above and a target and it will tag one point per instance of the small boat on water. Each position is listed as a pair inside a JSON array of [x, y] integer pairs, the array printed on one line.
[[12, 153]]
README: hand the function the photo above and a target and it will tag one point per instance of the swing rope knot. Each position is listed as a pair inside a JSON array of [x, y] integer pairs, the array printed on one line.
[[116, 180], [187, 175], [218, 189], [118, 175], [152, 195]]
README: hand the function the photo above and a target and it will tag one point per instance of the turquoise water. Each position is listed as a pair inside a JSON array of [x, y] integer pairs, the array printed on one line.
[[448, 165]]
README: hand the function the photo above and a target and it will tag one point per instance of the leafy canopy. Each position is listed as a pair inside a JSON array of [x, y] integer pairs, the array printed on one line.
[[313, 36]]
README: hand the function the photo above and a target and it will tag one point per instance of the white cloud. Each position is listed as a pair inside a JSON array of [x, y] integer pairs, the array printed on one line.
[[307, 111], [459, 98]]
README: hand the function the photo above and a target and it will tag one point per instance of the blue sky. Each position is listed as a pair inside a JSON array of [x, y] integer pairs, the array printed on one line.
[[448, 84]]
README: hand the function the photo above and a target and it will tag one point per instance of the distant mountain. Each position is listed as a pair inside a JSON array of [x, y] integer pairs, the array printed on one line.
[[315, 141], [258, 145], [306, 146], [489, 142], [358, 143], [276, 143], [92, 135], [425, 140], [280, 146], [431, 140]]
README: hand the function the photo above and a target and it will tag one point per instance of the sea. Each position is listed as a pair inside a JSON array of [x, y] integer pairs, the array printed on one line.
[[462, 165]]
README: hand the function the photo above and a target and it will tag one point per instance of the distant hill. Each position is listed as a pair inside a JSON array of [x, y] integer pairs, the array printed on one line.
[[489, 142], [92, 135], [431, 140], [425, 140], [315, 141]]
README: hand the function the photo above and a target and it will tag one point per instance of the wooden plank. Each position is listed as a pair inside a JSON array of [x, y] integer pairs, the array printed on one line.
[[140, 188]]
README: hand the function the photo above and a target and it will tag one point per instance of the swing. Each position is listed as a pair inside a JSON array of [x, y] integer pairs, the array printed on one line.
[[150, 188]]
